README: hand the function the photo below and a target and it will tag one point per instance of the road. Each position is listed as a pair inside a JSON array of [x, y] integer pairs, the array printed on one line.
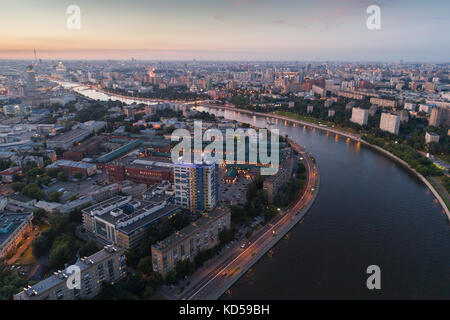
[[213, 281]]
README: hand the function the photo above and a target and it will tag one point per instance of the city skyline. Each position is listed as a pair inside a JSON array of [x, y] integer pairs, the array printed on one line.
[[231, 30]]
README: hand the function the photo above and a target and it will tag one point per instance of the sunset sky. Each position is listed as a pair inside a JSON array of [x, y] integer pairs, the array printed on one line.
[[226, 30]]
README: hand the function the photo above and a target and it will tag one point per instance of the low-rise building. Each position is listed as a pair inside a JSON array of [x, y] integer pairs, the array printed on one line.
[[431, 137], [68, 139], [12, 228], [106, 265], [8, 174], [185, 244], [71, 167], [22, 201], [124, 221], [384, 102]]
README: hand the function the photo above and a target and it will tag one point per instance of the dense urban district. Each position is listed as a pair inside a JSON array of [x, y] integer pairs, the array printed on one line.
[[87, 178]]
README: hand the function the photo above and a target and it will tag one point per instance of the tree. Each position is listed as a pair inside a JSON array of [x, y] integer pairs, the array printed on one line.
[[55, 196], [78, 175], [145, 265], [184, 268], [226, 236], [88, 248], [38, 213], [53, 172], [62, 176], [17, 186]]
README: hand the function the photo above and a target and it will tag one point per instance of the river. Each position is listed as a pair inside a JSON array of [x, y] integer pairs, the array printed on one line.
[[369, 211]]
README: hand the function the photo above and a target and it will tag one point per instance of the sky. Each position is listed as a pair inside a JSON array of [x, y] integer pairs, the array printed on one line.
[[300, 30]]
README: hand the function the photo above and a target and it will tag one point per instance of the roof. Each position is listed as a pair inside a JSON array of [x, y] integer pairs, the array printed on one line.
[[61, 277], [20, 197], [72, 164], [9, 222], [190, 229]]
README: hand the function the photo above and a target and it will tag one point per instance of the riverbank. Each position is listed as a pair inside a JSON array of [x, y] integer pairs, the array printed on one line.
[[295, 219], [215, 280], [353, 137]]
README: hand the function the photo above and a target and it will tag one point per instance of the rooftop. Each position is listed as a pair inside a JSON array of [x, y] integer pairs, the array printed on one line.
[[60, 277], [190, 229], [9, 222]]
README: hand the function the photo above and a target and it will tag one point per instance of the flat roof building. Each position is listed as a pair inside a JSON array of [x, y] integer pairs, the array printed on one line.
[[431, 137], [12, 228], [68, 139], [390, 122], [106, 265], [360, 116], [70, 167], [124, 220], [185, 244]]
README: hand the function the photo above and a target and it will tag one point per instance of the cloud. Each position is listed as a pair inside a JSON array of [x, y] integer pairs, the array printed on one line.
[[240, 3], [219, 18], [280, 21]]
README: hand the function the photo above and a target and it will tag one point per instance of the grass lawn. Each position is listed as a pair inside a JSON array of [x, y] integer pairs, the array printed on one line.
[[446, 200], [27, 256], [445, 157]]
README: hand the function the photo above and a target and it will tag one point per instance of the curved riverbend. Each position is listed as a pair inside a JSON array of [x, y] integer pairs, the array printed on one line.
[[370, 210], [351, 136]]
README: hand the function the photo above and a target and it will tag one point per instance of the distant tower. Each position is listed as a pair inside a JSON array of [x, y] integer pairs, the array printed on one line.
[[30, 81]]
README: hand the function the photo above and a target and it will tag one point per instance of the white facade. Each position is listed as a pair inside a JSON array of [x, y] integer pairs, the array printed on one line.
[[390, 122], [360, 116]]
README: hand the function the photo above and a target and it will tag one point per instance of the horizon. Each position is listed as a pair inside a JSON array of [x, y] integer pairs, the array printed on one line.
[[235, 30]]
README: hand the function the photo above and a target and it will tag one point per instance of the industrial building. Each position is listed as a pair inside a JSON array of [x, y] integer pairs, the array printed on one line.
[[139, 170], [71, 167]]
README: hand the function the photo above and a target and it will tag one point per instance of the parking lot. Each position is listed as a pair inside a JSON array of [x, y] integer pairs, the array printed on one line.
[[233, 193], [81, 187]]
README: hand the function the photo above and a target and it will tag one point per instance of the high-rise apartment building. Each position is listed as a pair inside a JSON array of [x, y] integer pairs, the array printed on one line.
[[436, 117], [196, 186], [360, 116], [390, 122]]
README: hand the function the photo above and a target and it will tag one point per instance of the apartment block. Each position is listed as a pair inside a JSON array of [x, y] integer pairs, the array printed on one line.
[[196, 186], [106, 265], [390, 122], [384, 102], [431, 137], [360, 116], [185, 244], [12, 228]]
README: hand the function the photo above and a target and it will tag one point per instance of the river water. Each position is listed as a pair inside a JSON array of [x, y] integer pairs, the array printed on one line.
[[369, 211]]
